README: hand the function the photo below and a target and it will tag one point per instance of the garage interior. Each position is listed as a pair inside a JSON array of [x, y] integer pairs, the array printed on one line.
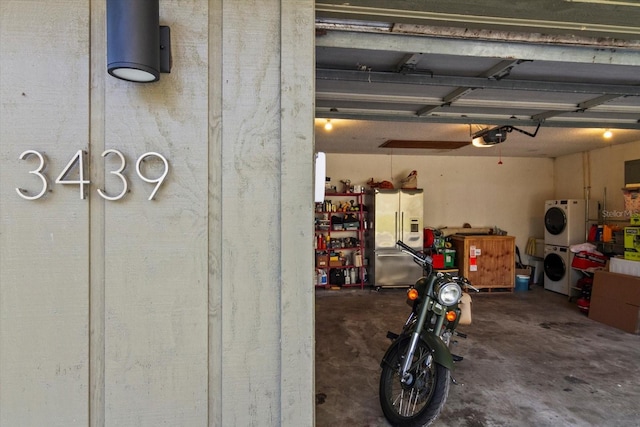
[[410, 87]]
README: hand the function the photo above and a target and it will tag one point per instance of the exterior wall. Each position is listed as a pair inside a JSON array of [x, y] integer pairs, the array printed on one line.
[[476, 190], [44, 244], [194, 308]]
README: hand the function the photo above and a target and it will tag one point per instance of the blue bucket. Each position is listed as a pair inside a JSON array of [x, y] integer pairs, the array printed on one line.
[[522, 282]]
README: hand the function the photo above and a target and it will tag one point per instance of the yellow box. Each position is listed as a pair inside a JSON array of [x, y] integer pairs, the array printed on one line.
[[632, 239], [632, 255]]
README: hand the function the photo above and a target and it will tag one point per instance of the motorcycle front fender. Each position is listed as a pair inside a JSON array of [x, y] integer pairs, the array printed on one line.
[[441, 353]]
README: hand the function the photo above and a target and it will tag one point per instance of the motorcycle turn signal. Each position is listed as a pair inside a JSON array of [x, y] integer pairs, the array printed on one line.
[[451, 316], [412, 294]]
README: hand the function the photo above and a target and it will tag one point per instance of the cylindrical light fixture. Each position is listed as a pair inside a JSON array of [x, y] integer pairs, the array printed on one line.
[[133, 40]]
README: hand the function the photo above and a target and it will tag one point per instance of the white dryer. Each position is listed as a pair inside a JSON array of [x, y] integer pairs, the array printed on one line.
[[565, 221], [558, 274]]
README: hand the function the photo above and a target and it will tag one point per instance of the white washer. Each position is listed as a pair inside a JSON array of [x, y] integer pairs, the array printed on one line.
[[565, 221], [558, 274]]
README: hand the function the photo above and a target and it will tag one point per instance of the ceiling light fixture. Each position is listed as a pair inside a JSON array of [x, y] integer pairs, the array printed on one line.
[[328, 126]]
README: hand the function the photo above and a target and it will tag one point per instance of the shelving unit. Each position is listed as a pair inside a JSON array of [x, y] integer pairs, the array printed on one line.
[[614, 246], [339, 227]]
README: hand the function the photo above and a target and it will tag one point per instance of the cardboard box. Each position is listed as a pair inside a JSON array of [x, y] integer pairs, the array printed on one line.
[[335, 261], [615, 301], [631, 200], [322, 261]]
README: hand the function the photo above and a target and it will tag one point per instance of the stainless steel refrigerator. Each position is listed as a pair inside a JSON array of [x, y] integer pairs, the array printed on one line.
[[393, 215]]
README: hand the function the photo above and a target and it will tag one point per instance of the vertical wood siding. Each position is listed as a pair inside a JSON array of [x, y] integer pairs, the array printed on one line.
[[195, 308]]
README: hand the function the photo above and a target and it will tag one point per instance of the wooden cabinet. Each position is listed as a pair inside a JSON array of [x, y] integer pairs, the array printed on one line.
[[487, 261]]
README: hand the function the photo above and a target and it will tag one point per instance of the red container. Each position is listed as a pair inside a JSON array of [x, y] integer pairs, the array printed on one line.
[[438, 260], [587, 260]]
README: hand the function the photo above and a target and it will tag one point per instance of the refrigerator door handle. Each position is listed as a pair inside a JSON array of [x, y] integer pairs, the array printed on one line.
[[391, 254], [396, 227]]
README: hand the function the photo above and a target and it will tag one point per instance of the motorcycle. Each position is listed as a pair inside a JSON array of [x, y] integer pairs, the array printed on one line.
[[416, 367]]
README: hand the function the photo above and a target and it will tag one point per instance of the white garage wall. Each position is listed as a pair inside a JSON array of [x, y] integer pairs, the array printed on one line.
[[458, 190], [602, 170]]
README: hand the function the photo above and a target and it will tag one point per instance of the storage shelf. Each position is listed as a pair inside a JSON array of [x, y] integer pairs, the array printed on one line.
[[350, 248], [328, 216]]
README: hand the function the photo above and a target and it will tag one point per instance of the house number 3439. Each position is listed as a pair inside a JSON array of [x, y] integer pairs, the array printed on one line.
[[77, 162]]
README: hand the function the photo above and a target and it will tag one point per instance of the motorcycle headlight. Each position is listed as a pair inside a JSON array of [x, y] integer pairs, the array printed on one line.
[[449, 294]]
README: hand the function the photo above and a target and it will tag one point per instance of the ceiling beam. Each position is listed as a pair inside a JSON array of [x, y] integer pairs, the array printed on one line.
[[562, 122], [372, 77], [409, 62], [335, 99], [590, 20], [596, 101], [504, 49]]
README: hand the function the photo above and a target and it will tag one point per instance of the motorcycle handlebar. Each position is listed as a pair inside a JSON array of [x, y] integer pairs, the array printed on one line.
[[405, 246], [425, 260], [420, 257]]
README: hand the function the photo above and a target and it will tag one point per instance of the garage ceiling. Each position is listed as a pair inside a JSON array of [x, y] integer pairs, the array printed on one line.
[[564, 71]]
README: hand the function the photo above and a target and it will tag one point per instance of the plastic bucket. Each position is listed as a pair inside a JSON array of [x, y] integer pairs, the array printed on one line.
[[522, 282]]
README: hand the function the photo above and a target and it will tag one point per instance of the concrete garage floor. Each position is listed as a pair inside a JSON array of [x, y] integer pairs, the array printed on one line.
[[531, 359]]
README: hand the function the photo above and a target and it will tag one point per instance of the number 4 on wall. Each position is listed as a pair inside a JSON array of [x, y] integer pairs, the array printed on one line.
[[76, 162]]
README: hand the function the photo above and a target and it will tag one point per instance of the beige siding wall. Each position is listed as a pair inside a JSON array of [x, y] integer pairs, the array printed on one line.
[[194, 308], [44, 269]]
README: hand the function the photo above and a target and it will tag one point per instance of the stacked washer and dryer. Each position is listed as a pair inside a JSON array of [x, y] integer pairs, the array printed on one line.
[[565, 224]]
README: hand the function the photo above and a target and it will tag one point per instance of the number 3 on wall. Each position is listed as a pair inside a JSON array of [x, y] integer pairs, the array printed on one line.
[[77, 162], [37, 172]]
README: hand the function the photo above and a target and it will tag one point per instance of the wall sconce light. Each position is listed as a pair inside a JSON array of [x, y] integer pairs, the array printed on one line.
[[607, 134], [328, 126], [138, 48]]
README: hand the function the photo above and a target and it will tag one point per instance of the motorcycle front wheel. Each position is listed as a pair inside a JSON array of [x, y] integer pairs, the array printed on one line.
[[417, 402]]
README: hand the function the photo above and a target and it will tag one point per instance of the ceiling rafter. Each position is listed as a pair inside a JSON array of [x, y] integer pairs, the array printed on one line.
[[477, 119], [498, 71], [374, 77]]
